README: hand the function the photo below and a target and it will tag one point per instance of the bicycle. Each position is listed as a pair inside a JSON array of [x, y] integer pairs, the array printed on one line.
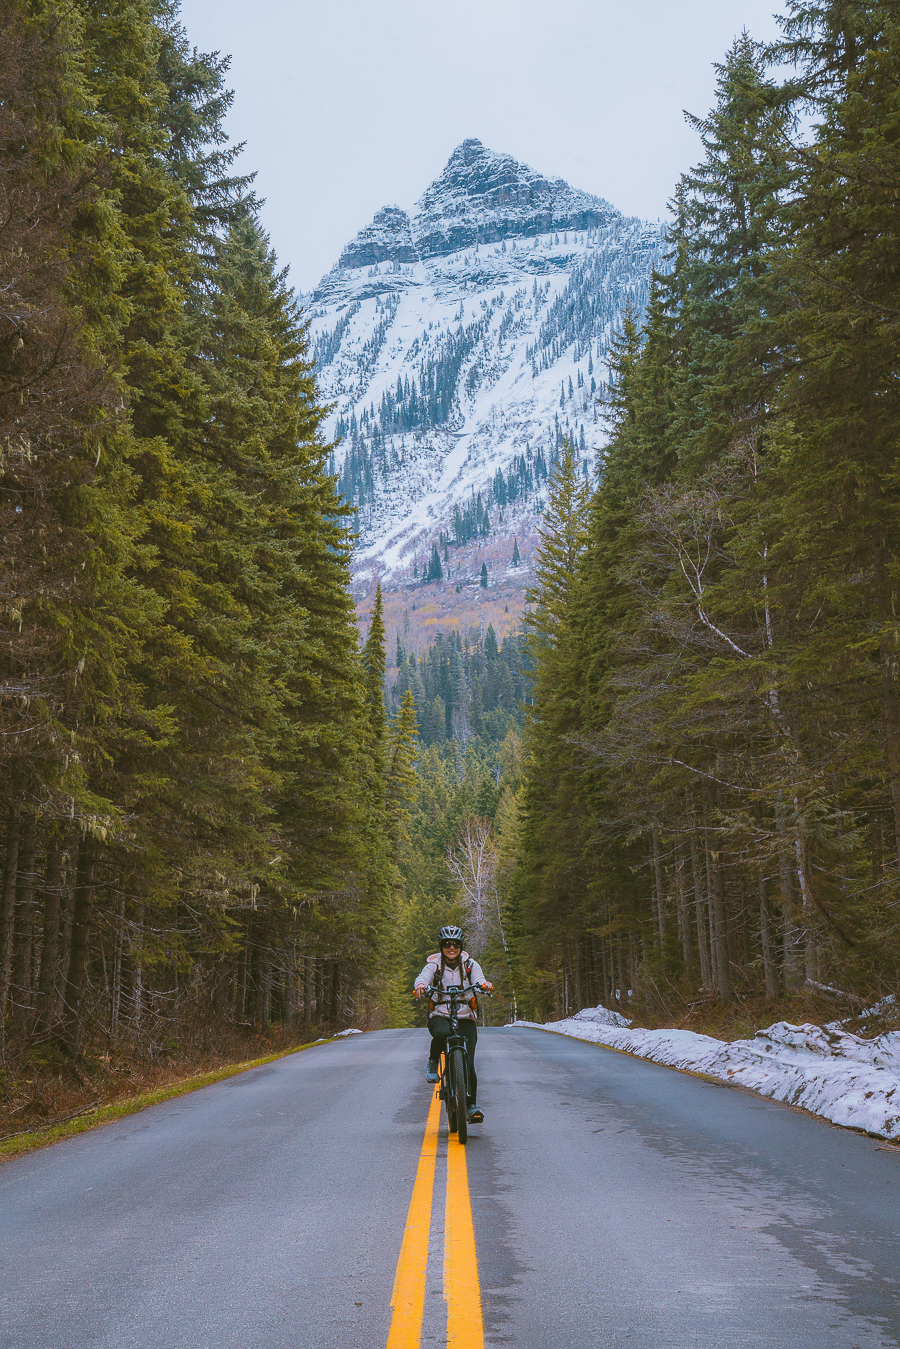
[[454, 1080]]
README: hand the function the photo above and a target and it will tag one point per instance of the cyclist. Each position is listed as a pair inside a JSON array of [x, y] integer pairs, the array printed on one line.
[[452, 965]]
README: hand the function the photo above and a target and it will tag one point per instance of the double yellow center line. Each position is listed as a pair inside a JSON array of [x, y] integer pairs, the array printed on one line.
[[462, 1291]]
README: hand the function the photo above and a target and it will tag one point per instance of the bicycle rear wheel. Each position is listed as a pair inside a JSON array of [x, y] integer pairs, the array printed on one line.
[[458, 1092]]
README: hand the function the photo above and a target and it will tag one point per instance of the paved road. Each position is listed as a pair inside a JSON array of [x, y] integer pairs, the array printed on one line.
[[617, 1205]]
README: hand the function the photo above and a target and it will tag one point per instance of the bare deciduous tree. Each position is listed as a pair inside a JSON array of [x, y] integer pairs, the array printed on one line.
[[475, 862], [472, 859]]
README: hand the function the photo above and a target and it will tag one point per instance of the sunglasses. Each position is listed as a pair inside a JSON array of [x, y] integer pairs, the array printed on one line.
[[446, 945]]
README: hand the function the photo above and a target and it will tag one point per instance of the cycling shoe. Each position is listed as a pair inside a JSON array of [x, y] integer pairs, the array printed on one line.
[[474, 1115], [431, 1072]]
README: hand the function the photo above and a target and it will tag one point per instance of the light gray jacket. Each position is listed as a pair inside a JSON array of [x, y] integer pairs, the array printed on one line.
[[431, 972]]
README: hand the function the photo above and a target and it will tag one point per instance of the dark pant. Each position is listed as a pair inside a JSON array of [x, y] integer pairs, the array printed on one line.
[[440, 1029]]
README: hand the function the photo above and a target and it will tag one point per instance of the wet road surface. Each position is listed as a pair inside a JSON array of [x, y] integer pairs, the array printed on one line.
[[616, 1204]]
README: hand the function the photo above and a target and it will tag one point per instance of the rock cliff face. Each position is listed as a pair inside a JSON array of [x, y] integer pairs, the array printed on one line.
[[482, 198], [462, 345], [388, 239]]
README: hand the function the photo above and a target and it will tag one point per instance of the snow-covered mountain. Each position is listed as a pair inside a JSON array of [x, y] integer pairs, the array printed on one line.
[[461, 344]]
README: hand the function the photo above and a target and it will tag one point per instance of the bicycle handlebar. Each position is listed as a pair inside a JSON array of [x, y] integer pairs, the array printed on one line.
[[457, 991]]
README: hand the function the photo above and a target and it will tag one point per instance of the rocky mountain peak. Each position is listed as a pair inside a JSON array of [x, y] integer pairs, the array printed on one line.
[[484, 197], [480, 197], [474, 173], [388, 239]]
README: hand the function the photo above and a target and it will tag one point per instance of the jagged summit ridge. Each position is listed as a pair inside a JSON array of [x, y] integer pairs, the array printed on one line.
[[485, 197], [480, 197]]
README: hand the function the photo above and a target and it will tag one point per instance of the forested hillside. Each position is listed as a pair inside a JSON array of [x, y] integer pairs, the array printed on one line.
[[711, 806], [196, 817], [461, 820]]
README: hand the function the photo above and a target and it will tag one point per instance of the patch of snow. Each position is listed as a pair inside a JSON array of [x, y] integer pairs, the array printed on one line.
[[845, 1079], [880, 1008], [601, 1016], [342, 1033]]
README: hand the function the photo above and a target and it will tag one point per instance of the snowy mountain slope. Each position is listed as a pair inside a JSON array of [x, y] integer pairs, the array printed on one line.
[[460, 345]]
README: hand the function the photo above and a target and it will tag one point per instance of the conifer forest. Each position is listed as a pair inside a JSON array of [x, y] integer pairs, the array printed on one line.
[[679, 785], [711, 798], [196, 814]]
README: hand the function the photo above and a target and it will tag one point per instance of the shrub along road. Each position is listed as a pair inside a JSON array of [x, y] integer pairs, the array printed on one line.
[[614, 1203]]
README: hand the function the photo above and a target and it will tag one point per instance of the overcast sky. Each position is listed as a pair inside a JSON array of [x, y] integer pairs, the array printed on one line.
[[349, 105]]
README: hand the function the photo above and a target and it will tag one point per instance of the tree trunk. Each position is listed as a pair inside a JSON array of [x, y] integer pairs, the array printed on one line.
[[604, 973], [8, 903], [135, 961], [137, 1009], [116, 995], [49, 974], [622, 990], [719, 929], [290, 988], [801, 862], [67, 912], [264, 995], [321, 1005], [576, 971], [334, 990], [307, 996], [632, 967], [22, 974], [341, 998], [789, 932], [790, 935], [684, 919], [891, 704], [73, 1028], [711, 922], [660, 891], [241, 1005], [700, 912], [223, 985], [769, 971]]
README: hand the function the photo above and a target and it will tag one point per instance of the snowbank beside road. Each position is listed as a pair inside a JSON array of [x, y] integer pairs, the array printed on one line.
[[847, 1080]]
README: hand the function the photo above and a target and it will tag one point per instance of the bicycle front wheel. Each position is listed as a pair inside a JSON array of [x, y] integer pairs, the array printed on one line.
[[458, 1093], [447, 1094]]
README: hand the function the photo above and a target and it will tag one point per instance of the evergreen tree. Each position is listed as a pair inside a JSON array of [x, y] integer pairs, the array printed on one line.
[[435, 571], [839, 476], [373, 668], [715, 645], [402, 754], [552, 809], [202, 719]]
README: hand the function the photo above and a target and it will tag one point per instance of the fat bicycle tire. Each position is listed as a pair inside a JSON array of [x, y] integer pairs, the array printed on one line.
[[447, 1095], [458, 1093]]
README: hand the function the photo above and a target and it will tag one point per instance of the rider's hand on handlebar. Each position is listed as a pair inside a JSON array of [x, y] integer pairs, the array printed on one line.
[[418, 991]]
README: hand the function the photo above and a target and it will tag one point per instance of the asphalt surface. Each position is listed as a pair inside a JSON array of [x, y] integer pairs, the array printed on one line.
[[617, 1205]]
